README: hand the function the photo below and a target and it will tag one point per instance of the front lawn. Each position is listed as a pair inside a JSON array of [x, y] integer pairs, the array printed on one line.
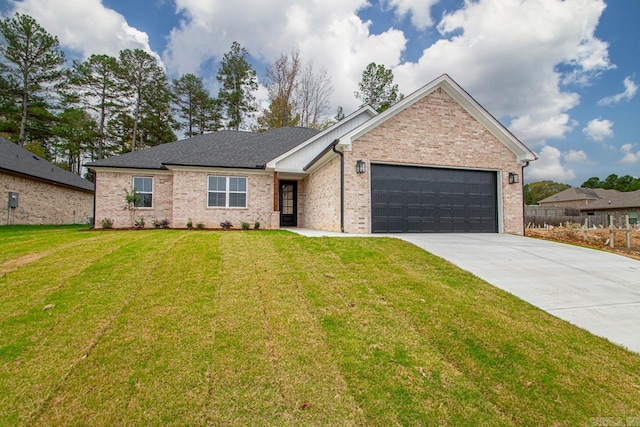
[[270, 328]]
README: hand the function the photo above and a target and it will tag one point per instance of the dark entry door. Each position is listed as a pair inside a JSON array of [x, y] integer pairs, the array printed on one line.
[[288, 203]]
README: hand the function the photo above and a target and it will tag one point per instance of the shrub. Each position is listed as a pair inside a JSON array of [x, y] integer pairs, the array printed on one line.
[[245, 226], [256, 225], [200, 226], [161, 224], [107, 223], [189, 224], [226, 225], [139, 223]]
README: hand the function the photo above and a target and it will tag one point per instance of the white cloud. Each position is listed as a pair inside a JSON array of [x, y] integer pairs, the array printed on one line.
[[536, 132], [576, 156], [630, 90], [85, 26], [549, 166], [420, 11], [508, 53], [598, 129], [630, 157], [329, 32]]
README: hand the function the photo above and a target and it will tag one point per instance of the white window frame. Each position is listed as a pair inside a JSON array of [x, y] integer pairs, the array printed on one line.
[[133, 185], [228, 192]]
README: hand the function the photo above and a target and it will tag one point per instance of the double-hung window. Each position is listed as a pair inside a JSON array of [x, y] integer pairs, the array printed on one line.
[[144, 191], [227, 192]]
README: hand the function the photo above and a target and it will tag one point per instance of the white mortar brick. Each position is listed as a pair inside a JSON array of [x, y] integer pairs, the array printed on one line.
[[43, 203]]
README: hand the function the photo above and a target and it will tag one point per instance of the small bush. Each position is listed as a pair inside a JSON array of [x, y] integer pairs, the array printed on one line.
[[161, 224], [189, 224], [107, 223], [256, 225], [139, 223], [226, 225], [200, 226], [246, 226]]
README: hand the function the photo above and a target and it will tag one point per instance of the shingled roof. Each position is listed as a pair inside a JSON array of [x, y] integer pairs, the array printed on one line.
[[573, 194], [598, 198], [225, 149], [18, 161], [615, 200]]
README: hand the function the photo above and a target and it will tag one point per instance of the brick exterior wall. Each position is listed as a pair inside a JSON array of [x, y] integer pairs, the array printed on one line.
[[435, 131], [43, 203], [190, 200], [110, 192], [319, 198]]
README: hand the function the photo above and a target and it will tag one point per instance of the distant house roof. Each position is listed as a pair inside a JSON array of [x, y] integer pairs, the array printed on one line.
[[572, 194], [615, 200], [224, 149], [19, 161], [596, 198]]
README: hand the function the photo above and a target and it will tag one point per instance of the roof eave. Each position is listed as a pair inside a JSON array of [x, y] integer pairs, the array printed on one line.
[[47, 181]]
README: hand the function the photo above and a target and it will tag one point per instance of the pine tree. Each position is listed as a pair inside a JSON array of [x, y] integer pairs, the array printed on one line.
[[377, 89], [238, 81], [96, 84], [31, 62]]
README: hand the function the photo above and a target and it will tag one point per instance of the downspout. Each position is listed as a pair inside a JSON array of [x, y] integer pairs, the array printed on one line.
[[524, 211], [339, 153], [95, 191]]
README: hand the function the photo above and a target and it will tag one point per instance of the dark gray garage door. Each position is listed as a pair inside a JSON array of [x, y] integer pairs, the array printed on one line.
[[410, 199]]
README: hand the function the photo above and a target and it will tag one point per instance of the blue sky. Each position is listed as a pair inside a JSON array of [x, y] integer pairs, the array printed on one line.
[[561, 75]]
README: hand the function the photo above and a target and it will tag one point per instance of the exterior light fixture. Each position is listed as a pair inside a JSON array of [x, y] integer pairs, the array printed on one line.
[[513, 178], [361, 166]]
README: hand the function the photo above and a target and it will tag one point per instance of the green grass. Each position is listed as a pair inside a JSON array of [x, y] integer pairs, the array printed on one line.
[[269, 328]]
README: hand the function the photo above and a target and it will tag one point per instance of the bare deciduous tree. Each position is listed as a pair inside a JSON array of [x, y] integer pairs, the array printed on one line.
[[298, 93], [312, 95]]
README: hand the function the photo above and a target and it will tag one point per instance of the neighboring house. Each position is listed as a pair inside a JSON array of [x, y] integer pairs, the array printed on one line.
[[434, 162], [38, 192], [598, 201], [575, 197]]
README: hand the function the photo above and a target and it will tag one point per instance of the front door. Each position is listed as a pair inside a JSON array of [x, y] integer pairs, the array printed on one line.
[[288, 203]]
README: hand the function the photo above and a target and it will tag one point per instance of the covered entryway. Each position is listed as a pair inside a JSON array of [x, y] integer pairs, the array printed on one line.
[[414, 199], [288, 201]]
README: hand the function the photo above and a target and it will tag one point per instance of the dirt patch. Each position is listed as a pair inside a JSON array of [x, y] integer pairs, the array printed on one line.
[[14, 264], [598, 238]]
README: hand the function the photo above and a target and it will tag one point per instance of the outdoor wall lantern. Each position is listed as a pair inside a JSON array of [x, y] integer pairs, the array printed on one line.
[[513, 178], [361, 166]]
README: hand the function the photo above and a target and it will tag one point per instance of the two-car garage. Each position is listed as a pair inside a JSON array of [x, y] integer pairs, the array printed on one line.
[[415, 199]]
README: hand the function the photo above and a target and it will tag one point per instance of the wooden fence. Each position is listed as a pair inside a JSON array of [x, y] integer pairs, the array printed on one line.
[[542, 216], [612, 231]]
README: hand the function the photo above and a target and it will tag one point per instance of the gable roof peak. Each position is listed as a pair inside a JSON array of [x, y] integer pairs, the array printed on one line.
[[466, 101]]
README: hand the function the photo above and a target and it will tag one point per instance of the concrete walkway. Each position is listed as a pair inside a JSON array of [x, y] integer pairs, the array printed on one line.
[[595, 290]]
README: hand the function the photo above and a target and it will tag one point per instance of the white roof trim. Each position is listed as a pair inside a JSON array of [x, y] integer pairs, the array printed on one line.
[[446, 83], [365, 109]]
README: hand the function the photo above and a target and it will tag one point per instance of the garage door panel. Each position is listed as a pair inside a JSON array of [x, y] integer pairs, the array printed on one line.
[[423, 199]]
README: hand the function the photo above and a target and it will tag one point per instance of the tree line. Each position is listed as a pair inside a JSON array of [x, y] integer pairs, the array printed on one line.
[[108, 105]]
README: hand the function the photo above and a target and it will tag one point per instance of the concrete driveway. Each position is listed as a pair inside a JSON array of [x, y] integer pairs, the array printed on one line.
[[595, 290]]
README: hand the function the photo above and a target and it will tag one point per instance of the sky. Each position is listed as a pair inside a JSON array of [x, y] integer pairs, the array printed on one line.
[[562, 75]]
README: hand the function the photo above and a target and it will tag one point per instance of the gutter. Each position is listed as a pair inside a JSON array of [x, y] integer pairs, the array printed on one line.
[[339, 153]]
